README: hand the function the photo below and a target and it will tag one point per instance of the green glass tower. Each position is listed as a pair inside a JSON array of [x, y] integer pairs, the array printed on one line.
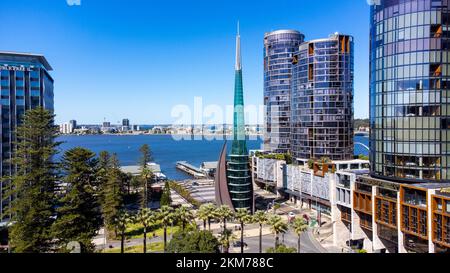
[[233, 180], [238, 167]]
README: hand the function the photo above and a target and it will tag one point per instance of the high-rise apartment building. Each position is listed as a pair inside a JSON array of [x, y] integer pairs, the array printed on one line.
[[67, 128], [25, 84], [404, 205], [410, 91], [322, 99], [279, 49]]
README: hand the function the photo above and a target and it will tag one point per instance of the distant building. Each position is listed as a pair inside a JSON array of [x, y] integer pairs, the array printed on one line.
[[68, 127], [73, 123], [209, 168], [106, 124], [126, 122], [152, 167], [25, 84]]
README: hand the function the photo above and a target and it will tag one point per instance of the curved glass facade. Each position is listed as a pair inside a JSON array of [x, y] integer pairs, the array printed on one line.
[[322, 99], [239, 176], [410, 90], [279, 48]]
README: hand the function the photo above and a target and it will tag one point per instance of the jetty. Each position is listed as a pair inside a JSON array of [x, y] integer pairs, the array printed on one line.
[[191, 170]]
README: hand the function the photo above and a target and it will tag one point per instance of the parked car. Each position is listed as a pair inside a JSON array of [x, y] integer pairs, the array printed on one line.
[[238, 244]]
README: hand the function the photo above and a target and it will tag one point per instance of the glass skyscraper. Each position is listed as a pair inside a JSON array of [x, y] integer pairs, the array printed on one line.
[[25, 84], [322, 99], [279, 48], [410, 90], [234, 186]]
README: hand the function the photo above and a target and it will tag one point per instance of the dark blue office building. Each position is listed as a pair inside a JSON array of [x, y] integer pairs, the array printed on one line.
[[25, 84]]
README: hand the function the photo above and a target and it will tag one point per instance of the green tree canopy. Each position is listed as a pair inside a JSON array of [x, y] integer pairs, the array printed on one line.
[[193, 241], [79, 217], [32, 187], [281, 249], [112, 195], [166, 198]]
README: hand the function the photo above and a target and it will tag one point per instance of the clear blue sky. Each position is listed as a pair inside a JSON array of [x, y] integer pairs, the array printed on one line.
[[136, 59]]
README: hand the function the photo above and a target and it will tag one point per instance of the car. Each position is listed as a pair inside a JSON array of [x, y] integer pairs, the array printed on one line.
[[238, 244], [195, 184]]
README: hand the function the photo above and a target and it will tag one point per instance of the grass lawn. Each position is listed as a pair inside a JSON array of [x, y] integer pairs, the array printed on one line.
[[153, 247], [136, 231]]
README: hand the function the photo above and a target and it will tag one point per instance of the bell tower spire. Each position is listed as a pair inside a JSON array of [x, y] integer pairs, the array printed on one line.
[[238, 49]]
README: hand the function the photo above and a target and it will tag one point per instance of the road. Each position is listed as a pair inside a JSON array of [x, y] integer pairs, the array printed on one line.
[[308, 243]]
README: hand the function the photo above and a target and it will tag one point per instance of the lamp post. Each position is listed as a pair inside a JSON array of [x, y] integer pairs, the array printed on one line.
[[350, 237]]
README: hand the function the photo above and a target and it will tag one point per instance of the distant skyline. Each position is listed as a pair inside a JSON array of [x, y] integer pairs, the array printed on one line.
[[138, 59]]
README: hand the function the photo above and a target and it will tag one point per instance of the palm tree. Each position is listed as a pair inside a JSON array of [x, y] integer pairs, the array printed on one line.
[[146, 218], [278, 226], [243, 217], [166, 217], [224, 213], [207, 212], [276, 207], [120, 223], [260, 217], [146, 177], [202, 215], [225, 239], [184, 215], [300, 226]]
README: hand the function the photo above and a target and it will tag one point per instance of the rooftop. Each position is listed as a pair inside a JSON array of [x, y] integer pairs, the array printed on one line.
[[209, 165], [22, 57], [136, 170], [352, 161], [432, 186], [357, 172], [282, 31], [331, 37]]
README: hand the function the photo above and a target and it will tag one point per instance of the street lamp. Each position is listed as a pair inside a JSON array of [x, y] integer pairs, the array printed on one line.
[[319, 212], [350, 237]]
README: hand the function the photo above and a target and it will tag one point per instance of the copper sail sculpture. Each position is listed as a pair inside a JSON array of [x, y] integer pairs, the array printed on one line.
[[233, 178]]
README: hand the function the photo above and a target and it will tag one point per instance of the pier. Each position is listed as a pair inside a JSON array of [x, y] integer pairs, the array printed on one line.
[[191, 170]]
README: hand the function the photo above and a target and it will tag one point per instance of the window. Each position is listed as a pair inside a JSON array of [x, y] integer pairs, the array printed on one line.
[[441, 221]]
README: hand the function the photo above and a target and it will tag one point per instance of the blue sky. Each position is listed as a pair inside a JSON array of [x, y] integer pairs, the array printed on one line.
[[137, 59]]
